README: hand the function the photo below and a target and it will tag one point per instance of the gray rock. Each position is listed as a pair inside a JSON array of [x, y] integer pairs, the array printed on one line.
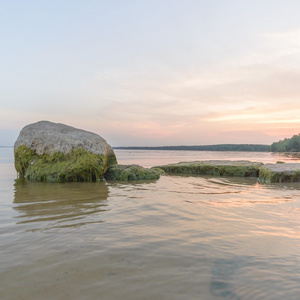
[[280, 172], [46, 151], [48, 138]]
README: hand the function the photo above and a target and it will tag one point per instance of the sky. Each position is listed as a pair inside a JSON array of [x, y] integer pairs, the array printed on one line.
[[152, 73]]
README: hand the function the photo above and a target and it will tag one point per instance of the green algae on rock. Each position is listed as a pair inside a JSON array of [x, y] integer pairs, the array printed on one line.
[[79, 165], [52, 152], [132, 172], [280, 172], [215, 167]]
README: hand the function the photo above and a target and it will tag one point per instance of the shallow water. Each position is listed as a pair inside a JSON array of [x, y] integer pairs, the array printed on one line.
[[180, 237]]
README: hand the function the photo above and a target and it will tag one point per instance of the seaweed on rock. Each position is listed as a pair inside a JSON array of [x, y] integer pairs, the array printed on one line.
[[270, 173], [78, 165], [217, 168], [132, 172]]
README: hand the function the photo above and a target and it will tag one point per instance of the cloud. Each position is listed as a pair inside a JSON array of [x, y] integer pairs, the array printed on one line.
[[283, 43]]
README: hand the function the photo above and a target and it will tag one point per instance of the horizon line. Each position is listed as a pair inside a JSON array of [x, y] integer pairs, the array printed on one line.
[[206, 145]]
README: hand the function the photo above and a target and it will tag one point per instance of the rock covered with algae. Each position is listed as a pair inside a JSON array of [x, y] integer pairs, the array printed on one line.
[[132, 172], [54, 152], [240, 168], [280, 172]]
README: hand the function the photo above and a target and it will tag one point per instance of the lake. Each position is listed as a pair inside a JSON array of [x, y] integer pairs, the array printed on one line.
[[180, 237]]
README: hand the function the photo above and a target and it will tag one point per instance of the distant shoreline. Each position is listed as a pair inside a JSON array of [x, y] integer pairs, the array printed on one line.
[[221, 147]]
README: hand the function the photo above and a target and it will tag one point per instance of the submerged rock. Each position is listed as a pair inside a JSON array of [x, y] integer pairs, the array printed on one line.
[[215, 167], [132, 172], [53, 152], [280, 172]]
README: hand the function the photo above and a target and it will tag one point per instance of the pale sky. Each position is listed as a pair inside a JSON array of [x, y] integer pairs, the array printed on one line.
[[152, 73]]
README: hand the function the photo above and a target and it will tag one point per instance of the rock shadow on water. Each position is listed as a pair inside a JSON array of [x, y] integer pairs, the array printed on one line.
[[131, 183], [248, 277], [230, 191], [242, 181], [222, 279], [59, 205], [224, 180]]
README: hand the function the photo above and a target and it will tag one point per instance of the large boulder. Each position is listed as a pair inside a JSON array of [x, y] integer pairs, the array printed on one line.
[[53, 152]]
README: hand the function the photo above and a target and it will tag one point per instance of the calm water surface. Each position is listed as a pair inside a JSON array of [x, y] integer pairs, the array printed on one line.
[[180, 237]]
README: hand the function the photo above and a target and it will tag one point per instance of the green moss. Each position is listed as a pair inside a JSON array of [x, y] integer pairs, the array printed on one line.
[[24, 157], [234, 169], [79, 165], [158, 170], [131, 172], [269, 176]]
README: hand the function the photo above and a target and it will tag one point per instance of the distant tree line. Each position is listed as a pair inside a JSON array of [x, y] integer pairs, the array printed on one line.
[[287, 145], [222, 147]]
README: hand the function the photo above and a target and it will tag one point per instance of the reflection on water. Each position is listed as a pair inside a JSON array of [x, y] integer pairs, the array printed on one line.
[[230, 191], [293, 156], [57, 205], [180, 237], [150, 158]]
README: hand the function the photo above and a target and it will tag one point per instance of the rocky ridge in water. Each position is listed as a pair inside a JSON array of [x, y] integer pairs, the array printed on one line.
[[52, 152], [279, 172]]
